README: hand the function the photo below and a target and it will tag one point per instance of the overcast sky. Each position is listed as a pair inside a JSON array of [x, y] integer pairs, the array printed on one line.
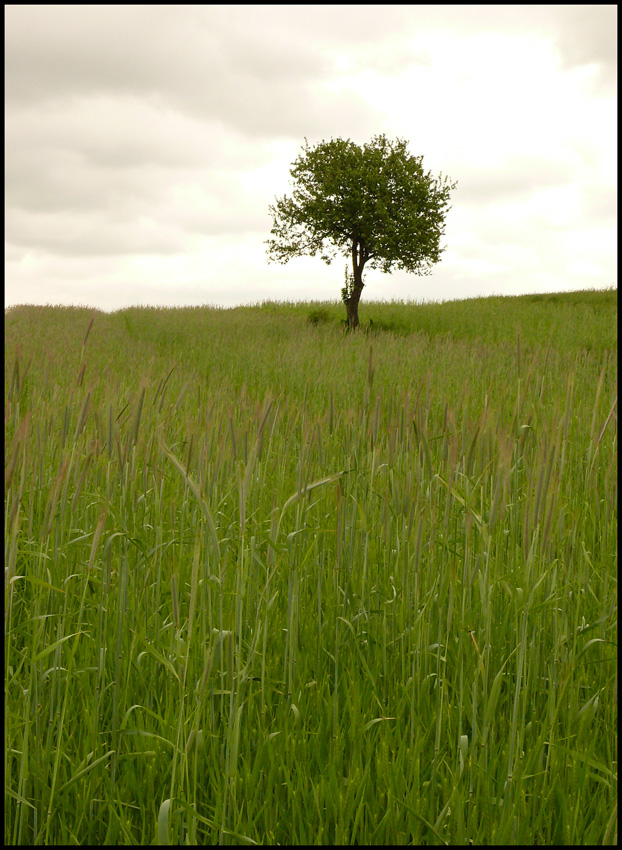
[[145, 144]]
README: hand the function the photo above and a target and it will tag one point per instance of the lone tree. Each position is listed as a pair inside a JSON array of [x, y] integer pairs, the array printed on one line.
[[374, 203]]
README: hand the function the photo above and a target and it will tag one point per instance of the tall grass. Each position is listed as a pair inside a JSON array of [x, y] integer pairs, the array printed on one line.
[[269, 583]]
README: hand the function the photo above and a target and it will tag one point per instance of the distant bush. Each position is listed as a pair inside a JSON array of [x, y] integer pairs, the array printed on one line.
[[391, 325], [318, 317]]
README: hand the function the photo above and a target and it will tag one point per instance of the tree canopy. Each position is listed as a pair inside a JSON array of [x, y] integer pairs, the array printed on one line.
[[373, 203]]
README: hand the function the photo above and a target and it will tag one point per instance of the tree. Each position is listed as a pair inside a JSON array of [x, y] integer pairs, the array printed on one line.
[[373, 203]]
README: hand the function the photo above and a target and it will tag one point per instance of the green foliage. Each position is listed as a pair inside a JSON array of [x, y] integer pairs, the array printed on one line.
[[318, 316], [377, 194], [267, 583], [348, 288], [374, 203]]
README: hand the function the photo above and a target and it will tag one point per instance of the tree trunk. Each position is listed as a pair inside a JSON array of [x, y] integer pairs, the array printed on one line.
[[353, 309], [359, 257]]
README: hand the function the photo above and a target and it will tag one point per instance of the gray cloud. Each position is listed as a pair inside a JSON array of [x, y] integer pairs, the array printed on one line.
[[110, 110], [92, 235], [156, 137], [237, 65], [101, 151], [128, 49], [72, 206], [588, 35], [516, 175]]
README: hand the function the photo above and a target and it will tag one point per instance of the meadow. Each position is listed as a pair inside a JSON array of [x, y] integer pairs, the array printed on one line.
[[267, 582]]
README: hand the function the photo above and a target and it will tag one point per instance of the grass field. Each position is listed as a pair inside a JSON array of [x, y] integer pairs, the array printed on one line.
[[266, 582]]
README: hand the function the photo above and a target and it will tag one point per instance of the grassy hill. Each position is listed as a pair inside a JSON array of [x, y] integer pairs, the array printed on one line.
[[267, 582]]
